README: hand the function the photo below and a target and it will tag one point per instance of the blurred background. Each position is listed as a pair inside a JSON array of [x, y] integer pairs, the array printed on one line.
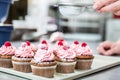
[[33, 19]]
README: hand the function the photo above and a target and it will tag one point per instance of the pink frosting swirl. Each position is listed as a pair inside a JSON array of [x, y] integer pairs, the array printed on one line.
[[66, 54], [24, 51], [60, 53], [70, 54], [32, 46], [43, 45], [64, 51], [57, 48], [7, 50], [44, 55], [59, 45], [84, 51], [81, 49], [75, 47]]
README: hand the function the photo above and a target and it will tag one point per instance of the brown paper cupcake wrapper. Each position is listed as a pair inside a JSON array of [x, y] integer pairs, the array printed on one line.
[[83, 64], [6, 63], [44, 71], [22, 66], [64, 67]]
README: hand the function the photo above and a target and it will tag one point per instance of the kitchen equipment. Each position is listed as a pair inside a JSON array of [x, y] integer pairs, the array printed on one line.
[[4, 9], [73, 8]]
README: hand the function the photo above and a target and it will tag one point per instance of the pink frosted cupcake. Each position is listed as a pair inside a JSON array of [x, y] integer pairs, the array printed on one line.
[[43, 63], [6, 53], [65, 57], [23, 56], [84, 57]]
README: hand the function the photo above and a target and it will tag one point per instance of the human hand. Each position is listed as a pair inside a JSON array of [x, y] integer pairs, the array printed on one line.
[[107, 6], [109, 48]]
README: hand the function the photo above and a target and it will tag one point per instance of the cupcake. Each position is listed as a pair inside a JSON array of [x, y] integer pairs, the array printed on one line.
[[23, 56], [6, 52], [84, 57], [65, 57], [43, 63]]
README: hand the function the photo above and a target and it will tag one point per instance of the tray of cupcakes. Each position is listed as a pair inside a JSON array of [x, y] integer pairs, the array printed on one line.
[[45, 61]]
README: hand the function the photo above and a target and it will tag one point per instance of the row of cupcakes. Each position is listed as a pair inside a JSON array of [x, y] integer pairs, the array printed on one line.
[[44, 59]]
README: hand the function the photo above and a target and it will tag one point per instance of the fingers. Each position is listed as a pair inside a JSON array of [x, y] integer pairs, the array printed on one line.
[[101, 3], [105, 52], [104, 47], [109, 48], [100, 50], [114, 7], [113, 49], [110, 52]]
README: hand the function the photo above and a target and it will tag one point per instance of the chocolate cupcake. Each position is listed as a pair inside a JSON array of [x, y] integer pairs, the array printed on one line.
[[65, 57], [6, 52], [43, 63], [23, 56], [84, 57]]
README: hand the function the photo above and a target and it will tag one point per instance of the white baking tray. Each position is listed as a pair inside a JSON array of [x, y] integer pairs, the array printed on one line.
[[99, 63]]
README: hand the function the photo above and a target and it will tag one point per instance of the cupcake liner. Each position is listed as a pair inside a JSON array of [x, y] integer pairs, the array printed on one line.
[[65, 67], [6, 63], [45, 71], [83, 64], [22, 66]]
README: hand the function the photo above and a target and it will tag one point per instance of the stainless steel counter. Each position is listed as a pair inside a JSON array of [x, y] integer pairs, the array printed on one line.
[[108, 74]]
